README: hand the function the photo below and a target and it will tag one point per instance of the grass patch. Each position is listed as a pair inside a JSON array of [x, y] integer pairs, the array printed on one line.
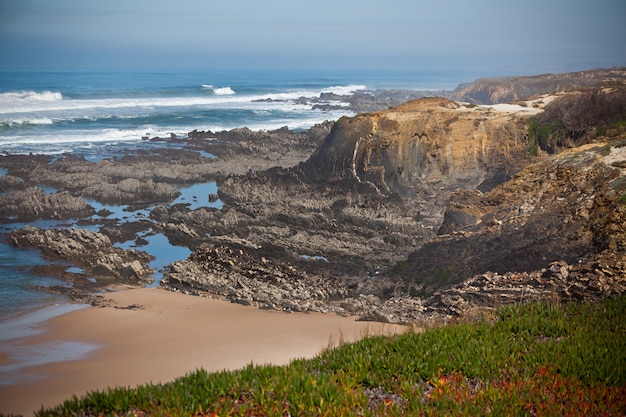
[[532, 359]]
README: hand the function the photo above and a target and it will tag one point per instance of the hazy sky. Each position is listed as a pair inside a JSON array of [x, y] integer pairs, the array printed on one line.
[[485, 35]]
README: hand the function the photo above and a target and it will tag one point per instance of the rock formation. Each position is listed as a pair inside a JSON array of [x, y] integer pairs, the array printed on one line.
[[418, 213], [426, 142], [508, 89], [34, 203], [564, 208], [234, 273], [421, 205], [91, 251]]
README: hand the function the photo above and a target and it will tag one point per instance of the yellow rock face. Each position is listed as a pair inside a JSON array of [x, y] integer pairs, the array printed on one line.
[[423, 142]]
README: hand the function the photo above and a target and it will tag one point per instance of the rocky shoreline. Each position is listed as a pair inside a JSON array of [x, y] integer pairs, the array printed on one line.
[[429, 211]]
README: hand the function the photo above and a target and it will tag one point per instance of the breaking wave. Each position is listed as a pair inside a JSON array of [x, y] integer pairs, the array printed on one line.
[[219, 91], [344, 90], [14, 96], [17, 123]]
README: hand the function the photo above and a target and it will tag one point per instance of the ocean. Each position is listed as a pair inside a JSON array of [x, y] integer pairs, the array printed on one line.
[[101, 114]]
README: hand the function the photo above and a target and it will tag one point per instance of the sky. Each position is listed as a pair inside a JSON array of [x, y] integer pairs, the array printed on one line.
[[505, 36]]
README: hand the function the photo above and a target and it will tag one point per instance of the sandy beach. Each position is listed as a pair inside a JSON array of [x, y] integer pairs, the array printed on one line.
[[166, 336]]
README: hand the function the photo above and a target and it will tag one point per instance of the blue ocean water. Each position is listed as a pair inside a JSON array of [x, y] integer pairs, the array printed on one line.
[[87, 111], [97, 114]]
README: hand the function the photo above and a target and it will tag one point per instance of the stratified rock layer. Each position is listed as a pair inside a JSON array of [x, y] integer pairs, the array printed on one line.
[[421, 144], [34, 203], [91, 251]]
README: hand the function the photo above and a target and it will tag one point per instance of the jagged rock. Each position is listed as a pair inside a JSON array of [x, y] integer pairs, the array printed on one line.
[[244, 275], [132, 189], [559, 282], [34, 203], [91, 251], [11, 182], [409, 147]]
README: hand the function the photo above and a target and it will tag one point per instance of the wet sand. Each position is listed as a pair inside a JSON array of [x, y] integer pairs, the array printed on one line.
[[170, 335]]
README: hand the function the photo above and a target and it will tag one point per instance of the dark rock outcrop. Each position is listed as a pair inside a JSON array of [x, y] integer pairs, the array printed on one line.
[[34, 203], [590, 279], [245, 276], [91, 251], [564, 208]]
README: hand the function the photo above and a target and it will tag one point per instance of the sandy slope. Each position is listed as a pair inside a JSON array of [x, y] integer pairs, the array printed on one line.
[[170, 335]]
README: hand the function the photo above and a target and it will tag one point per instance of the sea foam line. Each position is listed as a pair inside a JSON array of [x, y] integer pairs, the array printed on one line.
[[223, 96], [28, 95], [79, 138]]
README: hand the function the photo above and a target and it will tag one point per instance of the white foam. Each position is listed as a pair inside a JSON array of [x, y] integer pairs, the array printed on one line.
[[220, 91], [223, 96], [15, 96], [26, 122], [28, 324], [346, 90], [82, 137], [223, 91], [270, 111]]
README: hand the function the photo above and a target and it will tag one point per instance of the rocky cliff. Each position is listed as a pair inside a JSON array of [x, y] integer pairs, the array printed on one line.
[[508, 89], [420, 144], [566, 208], [421, 210], [429, 208]]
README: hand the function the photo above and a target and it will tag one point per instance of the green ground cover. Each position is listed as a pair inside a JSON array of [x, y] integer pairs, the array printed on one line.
[[533, 359]]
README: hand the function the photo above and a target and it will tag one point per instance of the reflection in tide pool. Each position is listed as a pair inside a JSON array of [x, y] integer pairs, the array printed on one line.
[[164, 252], [119, 212], [19, 289], [197, 196]]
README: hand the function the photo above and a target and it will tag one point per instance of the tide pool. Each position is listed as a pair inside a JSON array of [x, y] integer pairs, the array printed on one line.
[[197, 196], [18, 287], [158, 246]]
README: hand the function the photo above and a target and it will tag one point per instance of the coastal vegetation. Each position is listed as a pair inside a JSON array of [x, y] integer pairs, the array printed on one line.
[[526, 359], [573, 119]]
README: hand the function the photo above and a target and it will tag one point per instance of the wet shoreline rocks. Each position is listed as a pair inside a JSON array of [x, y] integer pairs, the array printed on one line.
[[34, 203], [245, 276], [91, 251], [414, 214]]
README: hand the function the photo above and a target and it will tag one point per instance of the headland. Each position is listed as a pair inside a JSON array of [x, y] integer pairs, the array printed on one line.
[[422, 213]]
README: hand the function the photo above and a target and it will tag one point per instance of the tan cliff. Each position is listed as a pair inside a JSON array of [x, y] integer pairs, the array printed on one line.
[[508, 89], [424, 143]]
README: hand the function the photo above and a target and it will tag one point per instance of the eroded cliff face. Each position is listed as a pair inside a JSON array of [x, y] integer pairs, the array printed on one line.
[[508, 89], [423, 143], [567, 208]]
